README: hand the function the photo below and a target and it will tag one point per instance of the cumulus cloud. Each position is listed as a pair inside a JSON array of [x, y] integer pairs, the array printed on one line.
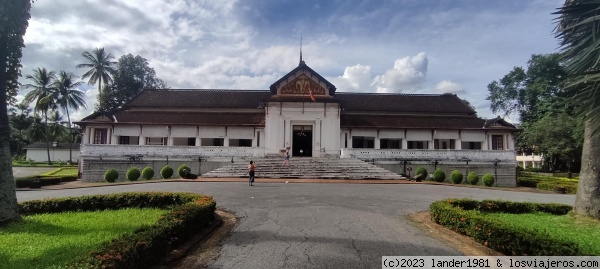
[[408, 74], [447, 86], [355, 79]]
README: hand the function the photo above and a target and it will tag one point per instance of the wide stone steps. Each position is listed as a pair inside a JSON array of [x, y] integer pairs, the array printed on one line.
[[307, 168]]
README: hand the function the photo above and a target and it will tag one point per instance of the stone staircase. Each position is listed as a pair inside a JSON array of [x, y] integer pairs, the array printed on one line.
[[308, 168]]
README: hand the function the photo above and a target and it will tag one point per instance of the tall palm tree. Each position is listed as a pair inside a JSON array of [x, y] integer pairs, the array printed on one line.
[[68, 97], [101, 70], [42, 94], [578, 30]]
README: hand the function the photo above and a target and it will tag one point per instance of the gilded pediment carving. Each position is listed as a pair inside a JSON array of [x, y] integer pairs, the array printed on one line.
[[302, 85]]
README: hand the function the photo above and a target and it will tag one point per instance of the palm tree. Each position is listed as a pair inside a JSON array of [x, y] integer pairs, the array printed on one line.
[[579, 34], [101, 69], [19, 123], [42, 94], [68, 97]]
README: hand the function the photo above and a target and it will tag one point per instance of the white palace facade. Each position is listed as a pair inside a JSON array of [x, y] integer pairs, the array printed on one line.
[[302, 113]]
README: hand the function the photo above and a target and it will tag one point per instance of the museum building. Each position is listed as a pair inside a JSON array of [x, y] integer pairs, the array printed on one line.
[[304, 114]]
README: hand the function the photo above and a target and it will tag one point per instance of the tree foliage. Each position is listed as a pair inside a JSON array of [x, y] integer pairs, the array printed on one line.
[[578, 30], [538, 95], [531, 93], [133, 74], [100, 70]]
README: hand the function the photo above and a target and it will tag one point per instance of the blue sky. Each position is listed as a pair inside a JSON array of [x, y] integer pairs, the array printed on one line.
[[407, 46]]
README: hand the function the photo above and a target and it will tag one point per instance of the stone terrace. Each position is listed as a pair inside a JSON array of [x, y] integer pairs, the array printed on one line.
[[311, 168]]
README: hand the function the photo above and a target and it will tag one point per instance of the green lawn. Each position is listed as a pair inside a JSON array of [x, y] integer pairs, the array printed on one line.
[[66, 171], [583, 231], [52, 240]]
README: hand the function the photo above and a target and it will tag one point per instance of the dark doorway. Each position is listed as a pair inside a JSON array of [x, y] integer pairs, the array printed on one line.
[[302, 140]]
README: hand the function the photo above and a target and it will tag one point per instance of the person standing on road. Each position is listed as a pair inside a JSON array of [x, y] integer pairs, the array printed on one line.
[[251, 168]]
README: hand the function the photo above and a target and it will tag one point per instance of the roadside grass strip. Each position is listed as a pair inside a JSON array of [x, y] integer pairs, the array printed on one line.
[[58, 239], [520, 229], [581, 230], [64, 171], [121, 230]]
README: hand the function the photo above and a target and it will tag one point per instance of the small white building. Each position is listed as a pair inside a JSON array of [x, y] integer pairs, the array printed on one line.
[[58, 152]]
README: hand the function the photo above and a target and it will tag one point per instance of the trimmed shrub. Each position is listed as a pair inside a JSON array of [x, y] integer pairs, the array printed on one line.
[[421, 173], [558, 186], [462, 216], [166, 172], [147, 245], [180, 171], [133, 174], [456, 176], [111, 175], [472, 178], [147, 173], [488, 179], [26, 182], [439, 175]]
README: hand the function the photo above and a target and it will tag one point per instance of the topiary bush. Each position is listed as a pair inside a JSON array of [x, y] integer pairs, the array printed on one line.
[[180, 171], [147, 173], [421, 173], [488, 179], [111, 175], [472, 178], [166, 172], [439, 175], [133, 174], [456, 176]]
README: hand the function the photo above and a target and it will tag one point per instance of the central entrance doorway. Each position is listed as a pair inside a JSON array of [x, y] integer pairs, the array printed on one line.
[[302, 140]]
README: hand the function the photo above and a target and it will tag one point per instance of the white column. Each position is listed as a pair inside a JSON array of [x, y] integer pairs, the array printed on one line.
[[197, 141], [142, 140], [377, 143], [458, 144], [404, 143], [169, 141]]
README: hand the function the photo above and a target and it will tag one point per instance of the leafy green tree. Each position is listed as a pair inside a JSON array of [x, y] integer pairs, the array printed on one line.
[[531, 93], [43, 95], [579, 35], [57, 131], [100, 66], [559, 137], [69, 97], [133, 74], [14, 15], [20, 120]]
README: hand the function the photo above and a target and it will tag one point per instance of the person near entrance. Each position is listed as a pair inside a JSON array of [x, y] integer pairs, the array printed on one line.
[[286, 159], [251, 168]]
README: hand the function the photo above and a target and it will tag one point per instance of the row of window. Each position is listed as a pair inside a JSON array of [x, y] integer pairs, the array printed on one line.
[[369, 143], [100, 137]]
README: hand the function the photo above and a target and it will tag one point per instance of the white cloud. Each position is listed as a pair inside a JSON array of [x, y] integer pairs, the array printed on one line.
[[356, 78], [447, 86], [408, 74]]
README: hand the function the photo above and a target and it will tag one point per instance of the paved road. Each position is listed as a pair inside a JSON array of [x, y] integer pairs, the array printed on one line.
[[30, 171], [319, 225]]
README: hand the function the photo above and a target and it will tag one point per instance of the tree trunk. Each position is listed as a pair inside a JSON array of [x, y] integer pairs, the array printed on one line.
[[587, 201], [9, 209], [72, 138], [47, 136]]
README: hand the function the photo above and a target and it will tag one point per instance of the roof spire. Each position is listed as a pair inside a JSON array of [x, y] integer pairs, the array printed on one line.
[[301, 61]]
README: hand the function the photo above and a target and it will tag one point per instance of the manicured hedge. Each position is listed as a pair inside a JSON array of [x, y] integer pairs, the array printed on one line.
[[439, 175], [181, 168], [456, 176], [147, 173], [166, 172], [567, 186], [488, 179], [147, 245], [472, 178], [464, 216], [133, 174], [43, 180]]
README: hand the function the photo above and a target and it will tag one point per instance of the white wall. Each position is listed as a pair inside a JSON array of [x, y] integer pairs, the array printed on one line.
[[324, 120], [41, 155]]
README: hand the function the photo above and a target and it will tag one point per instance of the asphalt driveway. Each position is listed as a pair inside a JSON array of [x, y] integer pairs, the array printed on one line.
[[303, 225]]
